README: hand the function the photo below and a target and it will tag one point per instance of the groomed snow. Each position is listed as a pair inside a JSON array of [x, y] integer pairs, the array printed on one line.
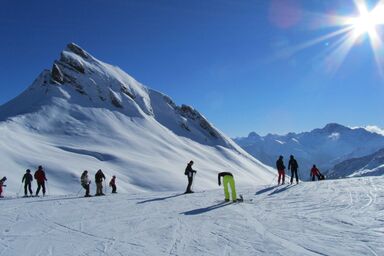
[[340, 217]]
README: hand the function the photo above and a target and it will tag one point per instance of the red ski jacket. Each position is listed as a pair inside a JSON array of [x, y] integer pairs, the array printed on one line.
[[314, 171], [40, 176]]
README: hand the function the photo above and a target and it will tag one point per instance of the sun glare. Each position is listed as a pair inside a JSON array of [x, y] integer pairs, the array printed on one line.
[[350, 31], [367, 21]]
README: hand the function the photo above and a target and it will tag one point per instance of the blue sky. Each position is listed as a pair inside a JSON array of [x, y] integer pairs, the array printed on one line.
[[240, 63]]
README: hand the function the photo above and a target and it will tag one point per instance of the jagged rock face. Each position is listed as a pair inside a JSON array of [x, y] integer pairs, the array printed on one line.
[[81, 79], [189, 112], [57, 75]]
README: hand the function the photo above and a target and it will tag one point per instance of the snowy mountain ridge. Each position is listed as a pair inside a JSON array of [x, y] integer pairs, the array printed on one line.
[[86, 114], [371, 165], [324, 147]]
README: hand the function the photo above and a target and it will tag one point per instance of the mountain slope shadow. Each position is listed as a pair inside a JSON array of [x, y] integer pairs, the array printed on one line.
[[99, 156], [206, 209]]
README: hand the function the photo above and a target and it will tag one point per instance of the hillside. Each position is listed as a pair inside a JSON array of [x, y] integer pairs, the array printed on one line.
[[84, 114], [371, 165], [339, 217]]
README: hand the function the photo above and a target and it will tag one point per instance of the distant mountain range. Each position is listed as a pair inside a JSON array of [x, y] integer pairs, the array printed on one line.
[[325, 147]]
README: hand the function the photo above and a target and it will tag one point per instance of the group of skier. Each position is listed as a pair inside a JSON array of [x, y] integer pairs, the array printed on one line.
[[294, 166], [228, 180], [41, 179], [99, 178]]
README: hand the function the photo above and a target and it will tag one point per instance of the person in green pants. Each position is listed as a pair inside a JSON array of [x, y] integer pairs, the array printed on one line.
[[228, 180]]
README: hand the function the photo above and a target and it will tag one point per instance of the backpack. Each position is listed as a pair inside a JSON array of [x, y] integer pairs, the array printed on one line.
[[186, 171]]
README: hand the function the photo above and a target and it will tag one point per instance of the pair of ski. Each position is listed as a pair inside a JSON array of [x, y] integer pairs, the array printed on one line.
[[239, 200]]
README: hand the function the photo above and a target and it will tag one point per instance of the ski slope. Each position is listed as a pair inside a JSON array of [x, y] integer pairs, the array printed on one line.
[[339, 217]]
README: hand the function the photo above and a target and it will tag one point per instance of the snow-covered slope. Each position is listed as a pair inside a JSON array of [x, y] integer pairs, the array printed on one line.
[[86, 114], [334, 217], [324, 147], [371, 165]]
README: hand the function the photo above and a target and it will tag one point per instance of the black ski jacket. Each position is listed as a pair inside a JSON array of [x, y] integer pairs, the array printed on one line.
[[222, 174], [280, 164], [292, 165], [27, 178], [189, 170], [99, 176]]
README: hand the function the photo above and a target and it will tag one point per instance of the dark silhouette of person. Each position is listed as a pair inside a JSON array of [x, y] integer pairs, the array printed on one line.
[[40, 179], [281, 170], [293, 166], [27, 180], [189, 172]]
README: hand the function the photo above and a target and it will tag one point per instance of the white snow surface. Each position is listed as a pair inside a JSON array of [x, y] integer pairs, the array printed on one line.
[[334, 217], [84, 114]]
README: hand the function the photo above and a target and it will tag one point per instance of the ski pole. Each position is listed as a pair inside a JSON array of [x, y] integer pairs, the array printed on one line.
[[193, 179], [47, 188], [78, 192], [18, 192]]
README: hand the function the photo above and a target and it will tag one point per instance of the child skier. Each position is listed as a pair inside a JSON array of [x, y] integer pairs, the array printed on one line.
[[2, 185], [112, 184]]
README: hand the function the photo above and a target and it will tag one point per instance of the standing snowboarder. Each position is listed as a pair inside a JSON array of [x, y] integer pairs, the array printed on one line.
[[112, 184], [2, 185], [228, 181], [27, 180], [293, 166], [40, 179], [99, 177], [189, 172], [85, 183], [281, 170], [315, 172]]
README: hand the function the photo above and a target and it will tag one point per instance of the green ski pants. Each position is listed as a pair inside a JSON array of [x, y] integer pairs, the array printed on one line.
[[228, 180]]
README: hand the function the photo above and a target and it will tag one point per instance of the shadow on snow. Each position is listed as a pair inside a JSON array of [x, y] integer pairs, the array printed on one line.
[[206, 209], [159, 199], [264, 190]]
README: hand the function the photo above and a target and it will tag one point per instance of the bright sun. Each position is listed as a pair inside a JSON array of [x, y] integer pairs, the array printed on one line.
[[350, 31], [367, 21]]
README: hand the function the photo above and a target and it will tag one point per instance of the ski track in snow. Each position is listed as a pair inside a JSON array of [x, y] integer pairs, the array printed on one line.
[[341, 217]]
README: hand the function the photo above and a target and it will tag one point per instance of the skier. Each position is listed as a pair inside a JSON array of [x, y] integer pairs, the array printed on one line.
[[293, 166], [2, 185], [189, 172], [27, 180], [281, 170], [40, 179], [227, 181], [85, 182], [315, 172], [112, 184], [99, 177]]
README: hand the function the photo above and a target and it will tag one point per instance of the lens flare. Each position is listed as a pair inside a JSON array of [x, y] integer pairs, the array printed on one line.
[[349, 31]]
